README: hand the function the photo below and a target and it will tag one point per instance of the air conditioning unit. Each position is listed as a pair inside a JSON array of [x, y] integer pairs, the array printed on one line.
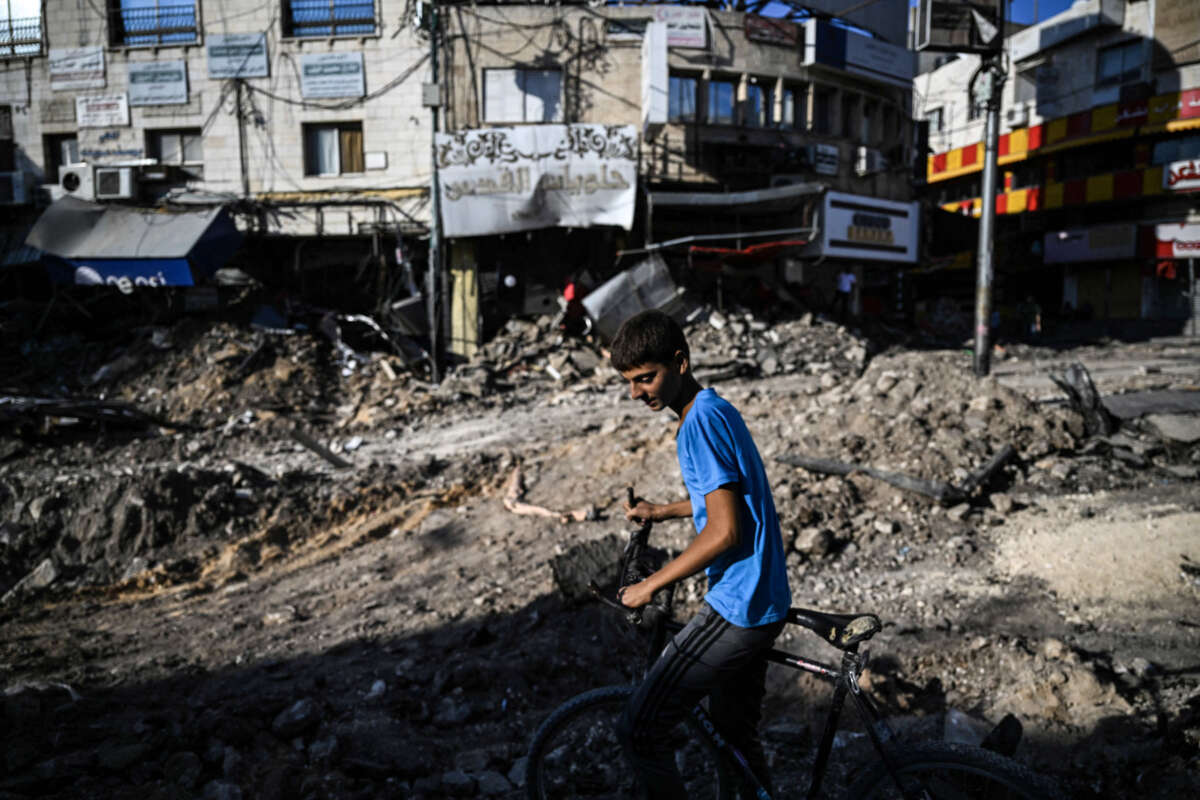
[[76, 181], [869, 160], [1017, 116], [115, 183], [14, 188]]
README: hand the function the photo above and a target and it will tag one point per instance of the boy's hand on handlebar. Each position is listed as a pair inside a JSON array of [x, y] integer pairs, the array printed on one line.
[[641, 511], [635, 595]]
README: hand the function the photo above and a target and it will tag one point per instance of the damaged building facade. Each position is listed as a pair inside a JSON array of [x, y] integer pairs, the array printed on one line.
[[304, 119], [1097, 213], [722, 136]]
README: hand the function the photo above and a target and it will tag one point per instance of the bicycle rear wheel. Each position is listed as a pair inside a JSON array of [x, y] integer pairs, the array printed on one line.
[[948, 771], [576, 754]]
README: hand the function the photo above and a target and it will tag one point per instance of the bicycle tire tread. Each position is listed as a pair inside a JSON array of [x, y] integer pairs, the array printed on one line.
[[1014, 774]]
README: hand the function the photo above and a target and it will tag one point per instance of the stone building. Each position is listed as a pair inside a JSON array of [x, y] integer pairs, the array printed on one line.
[[1097, 207]]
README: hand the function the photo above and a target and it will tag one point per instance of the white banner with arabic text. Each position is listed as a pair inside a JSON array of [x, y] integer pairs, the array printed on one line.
[[500, 180]]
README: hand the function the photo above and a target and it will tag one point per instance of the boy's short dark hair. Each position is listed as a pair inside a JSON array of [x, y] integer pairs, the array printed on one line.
[[648, 337]]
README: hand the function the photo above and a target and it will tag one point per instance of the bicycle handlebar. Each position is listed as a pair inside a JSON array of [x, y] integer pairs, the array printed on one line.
[[636, 567]]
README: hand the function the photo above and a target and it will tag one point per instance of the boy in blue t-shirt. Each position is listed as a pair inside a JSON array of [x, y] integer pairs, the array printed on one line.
[[719, 653]]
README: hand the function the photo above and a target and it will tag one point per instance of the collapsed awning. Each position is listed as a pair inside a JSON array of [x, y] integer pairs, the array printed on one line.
[[730, 199], [753, 255], [88, 243]]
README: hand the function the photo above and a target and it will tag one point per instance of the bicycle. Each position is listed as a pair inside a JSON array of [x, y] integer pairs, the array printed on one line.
[[575, 753]]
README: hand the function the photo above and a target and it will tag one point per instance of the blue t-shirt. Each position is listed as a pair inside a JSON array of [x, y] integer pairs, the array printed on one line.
[[747, 584]]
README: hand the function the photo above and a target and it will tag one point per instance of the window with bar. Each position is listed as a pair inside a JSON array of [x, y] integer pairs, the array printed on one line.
[[722, 102], [328, 17], [20, 28], [181, 147], [140, 23], [681, 104], [333, 149], [760, 106]]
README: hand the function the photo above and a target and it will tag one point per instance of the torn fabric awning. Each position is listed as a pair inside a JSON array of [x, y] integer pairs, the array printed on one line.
[[89, 244]]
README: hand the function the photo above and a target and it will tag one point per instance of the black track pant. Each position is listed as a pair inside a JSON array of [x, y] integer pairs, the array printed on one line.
[[712, 657]]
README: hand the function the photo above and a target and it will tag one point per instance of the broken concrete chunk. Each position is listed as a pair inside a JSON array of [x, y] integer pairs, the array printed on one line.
[[1002, 503], [1176, 427], [813, 541], [296, 719], [959, 512]]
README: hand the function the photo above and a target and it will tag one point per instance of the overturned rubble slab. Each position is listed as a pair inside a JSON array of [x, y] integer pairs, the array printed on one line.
[[1165, 401], [1176, 427]]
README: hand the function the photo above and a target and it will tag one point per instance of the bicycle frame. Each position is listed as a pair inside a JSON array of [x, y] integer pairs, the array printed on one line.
[[845, 682]]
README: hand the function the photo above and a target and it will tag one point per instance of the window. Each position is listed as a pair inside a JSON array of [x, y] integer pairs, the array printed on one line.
[[721, 104], [328, 17], [1025, 88], [20, 28], [791, 107], [822, 111], [868, 132], [60, 149], [151, 22], [760, 102], [182, 148], [522, 95], [1171, 150], [333, 149], [1120, 64], [849, 114], [681, 103]]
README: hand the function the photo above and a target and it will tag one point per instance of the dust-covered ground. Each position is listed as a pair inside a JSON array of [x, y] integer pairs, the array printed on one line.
[[219, 611]]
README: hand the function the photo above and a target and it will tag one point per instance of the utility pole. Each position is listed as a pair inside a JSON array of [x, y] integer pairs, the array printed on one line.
[[434, 272], [986, 85]]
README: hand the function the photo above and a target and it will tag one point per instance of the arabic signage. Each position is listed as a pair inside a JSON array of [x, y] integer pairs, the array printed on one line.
[[1174, 105], [687, 26], [500, 180], [1097, 243], [1182, 176], [867, 228], [102, 111], [1178, 240], [830, 46], [332, 75], [771, 31], [825, 159], [77, 68], [158, 83], [237, 55]]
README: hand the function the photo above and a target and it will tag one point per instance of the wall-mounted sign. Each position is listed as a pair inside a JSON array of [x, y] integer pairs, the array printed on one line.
[[500, 180], [77, 68], [830, 46], [625, 30], [771, 31], [158, 83], [102, 111], [655, 77], [867, 228], [825, 159], [332, 75], [687, 26], [1095, 243], [1182, 176], [237, 55], [1178, 240]]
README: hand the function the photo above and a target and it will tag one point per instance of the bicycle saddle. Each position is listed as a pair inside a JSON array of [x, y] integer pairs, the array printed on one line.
[[843, 631]]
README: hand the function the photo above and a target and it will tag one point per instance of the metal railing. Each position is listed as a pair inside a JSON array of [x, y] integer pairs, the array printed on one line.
[[328, 17], [148, 26], [20, 37]]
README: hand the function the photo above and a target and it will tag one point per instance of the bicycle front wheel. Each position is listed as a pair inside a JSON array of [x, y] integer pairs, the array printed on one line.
[[576, 754], [944, 770]]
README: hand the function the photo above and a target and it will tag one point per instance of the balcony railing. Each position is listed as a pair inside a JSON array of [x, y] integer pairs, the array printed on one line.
[[150, 26], [20, 37], [328, 17]]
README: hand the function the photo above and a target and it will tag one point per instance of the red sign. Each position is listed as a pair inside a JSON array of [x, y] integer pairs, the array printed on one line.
[[771, 31], [1182, 176]]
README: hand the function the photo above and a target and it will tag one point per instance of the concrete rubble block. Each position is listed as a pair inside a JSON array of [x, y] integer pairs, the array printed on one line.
[[814, 542], [296, 719], [516, 774], [374, 738], [886, 526], [885, 383], [1183, 428], [493, 784], [42, 576], [1002, 503], [959, 512]]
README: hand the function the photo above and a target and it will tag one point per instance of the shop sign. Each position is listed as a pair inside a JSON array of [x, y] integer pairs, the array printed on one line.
[[237, 55], [838, 48], [1178, 240], [1097, 243], [158, 83], [77, 68], [771, 31], [102, 111], [867, 228], [625, 29], [825, 159], [332, 75], [686, 26], [500, 180], [1182, 176]]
